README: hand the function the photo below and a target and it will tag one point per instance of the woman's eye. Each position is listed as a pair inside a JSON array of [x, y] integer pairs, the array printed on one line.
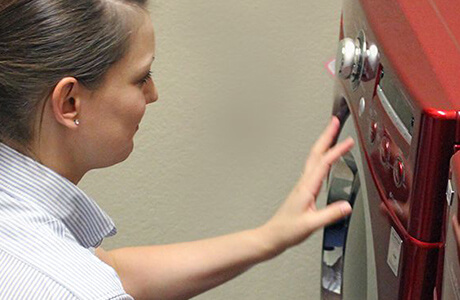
[[146, 78]]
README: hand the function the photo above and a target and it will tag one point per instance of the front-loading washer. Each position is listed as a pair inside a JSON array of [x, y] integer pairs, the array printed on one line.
[[396, 92]]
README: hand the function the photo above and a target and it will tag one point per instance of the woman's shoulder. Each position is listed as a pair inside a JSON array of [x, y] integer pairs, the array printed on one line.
[[46, 250]]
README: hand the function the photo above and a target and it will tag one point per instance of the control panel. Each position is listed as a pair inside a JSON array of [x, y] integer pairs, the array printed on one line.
[[384, 116]]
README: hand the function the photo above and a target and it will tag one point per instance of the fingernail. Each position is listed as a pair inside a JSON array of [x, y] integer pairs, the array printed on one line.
[[345, 208], [349, 139]]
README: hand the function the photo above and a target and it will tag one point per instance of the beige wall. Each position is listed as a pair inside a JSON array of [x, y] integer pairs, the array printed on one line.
[[243, 94]]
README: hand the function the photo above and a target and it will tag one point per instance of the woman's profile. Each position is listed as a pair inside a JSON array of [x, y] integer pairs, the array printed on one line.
[[75, 82]]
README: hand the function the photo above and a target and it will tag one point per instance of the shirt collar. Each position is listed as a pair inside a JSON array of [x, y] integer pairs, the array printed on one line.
[[26, 179]]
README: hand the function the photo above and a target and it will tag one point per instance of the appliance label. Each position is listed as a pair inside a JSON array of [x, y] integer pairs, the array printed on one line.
[[394, 251], [330, 66]]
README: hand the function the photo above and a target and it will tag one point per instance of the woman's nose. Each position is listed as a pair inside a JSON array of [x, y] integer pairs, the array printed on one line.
[[152, 95]]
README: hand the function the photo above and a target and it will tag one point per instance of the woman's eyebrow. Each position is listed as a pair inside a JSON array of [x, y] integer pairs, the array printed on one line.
[[146, 69]]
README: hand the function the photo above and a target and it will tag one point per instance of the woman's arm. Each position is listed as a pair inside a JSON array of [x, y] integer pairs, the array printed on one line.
[[181, 271]]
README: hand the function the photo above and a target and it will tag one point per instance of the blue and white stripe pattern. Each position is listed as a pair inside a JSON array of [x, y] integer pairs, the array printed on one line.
[[47, 229]]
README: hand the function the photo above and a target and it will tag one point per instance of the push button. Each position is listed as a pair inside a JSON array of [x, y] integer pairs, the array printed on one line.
[[398, 172], [373, 132], [385, 150]]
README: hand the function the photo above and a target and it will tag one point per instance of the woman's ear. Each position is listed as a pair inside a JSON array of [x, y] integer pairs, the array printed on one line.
[[65, 102]]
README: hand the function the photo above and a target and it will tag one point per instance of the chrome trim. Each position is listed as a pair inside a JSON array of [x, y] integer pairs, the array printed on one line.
[[343, 185], [353, 279], [450, 193], [393, 115], [362, 106]]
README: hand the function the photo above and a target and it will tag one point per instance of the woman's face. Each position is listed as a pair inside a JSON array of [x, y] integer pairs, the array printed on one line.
[[111, 114]]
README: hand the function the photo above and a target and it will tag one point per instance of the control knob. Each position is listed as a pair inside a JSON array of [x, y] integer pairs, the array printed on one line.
[[356, 61], [347, 55]]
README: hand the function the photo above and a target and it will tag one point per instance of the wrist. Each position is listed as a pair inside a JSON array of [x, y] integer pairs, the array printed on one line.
[[270, 244]]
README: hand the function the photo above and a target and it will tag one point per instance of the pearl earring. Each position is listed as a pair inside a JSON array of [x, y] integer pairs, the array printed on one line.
[[77, 122]]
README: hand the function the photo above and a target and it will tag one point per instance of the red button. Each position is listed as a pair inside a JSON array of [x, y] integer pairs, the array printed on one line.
[[385, 150], [398, 172], [373, 133]]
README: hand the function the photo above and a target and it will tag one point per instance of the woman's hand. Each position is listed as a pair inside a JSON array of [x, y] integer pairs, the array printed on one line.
[[181, 271], [298, 217]]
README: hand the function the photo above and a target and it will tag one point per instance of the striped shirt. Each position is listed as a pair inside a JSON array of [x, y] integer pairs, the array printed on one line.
[[48, 227]]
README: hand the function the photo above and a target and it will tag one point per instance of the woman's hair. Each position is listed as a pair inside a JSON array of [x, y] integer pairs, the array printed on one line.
[[43, 41]]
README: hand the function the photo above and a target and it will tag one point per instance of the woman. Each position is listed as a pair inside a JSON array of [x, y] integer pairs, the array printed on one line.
[[74, 85]]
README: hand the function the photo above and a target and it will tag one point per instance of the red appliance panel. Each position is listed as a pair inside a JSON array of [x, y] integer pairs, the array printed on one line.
[[420, 40], [417, 267], [435, 146], [425, 157], [416, 275]]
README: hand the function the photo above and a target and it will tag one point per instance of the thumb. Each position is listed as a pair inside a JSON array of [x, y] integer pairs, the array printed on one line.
[[330, 214]]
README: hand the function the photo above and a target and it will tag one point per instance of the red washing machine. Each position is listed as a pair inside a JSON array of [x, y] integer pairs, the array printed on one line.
[[397, 94]]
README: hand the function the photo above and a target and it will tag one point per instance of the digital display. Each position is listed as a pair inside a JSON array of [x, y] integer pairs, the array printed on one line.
[[397, 100]]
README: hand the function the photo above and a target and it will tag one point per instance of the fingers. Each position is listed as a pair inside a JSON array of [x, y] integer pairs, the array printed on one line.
[[323, 143], [330, 214], [338, 150], [327, 137], [314, 178]]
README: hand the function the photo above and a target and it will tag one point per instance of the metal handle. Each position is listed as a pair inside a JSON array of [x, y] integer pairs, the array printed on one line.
[[344, 186]]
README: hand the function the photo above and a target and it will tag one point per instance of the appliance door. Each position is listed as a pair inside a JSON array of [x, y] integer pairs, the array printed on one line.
[[451, 278], [348, 269]]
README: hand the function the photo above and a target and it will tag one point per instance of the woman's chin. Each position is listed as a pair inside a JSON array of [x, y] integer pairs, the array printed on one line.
[[116, 157], [127, 151]]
